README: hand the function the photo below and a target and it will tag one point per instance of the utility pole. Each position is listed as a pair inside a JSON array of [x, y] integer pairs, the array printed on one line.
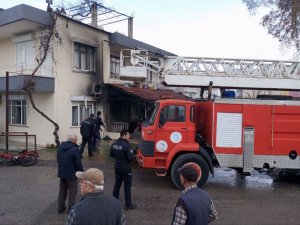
[[7, 109]]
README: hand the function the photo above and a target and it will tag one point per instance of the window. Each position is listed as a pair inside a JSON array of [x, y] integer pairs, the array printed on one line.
[[80, 112], [192, 114], [84, 57], [174, 113], [114, 66], [17, 112], [25, 53]]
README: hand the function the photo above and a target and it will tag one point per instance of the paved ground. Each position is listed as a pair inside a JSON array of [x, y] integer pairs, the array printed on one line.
[[29, 195]]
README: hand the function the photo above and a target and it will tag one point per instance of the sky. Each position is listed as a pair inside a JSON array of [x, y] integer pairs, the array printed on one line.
[[200, 28]]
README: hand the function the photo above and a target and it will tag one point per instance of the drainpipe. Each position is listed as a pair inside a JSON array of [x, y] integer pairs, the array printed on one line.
[[94, 15], [130, 27]]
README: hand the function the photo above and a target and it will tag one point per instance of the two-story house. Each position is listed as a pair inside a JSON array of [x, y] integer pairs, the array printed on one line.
[[79, 77]]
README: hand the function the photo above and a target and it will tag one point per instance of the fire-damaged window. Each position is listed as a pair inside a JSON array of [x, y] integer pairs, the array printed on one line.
[[84, 57], [174, 113]]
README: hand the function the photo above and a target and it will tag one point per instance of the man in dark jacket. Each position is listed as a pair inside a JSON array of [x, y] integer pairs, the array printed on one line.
[[87, 131], [68, 159], [95, 208], [98, 124], [195, 206], [123, 154]]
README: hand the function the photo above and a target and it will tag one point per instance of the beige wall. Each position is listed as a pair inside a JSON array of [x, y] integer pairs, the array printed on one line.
[[7, 54], [68, 82], [36, 124]]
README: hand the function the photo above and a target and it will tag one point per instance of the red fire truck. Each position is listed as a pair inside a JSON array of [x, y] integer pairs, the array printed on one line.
[[245, 134], [240, 133]]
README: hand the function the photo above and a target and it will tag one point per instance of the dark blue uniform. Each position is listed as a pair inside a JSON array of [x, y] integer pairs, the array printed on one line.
[[123, 154], [87, 131], [98, 124]]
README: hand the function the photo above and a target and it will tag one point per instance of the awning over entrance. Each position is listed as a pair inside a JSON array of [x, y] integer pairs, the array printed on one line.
[[149, 95]]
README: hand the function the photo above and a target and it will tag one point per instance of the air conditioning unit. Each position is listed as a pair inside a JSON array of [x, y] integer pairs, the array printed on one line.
[[96, 89]]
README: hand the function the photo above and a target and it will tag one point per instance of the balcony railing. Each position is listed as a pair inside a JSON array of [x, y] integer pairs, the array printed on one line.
[[26, 69], [118, 126]]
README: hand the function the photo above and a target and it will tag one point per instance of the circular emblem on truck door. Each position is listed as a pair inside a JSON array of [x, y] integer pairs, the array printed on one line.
[[161, 146], [176, 137]]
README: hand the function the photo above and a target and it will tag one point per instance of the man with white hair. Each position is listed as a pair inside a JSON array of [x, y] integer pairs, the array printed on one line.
[[69, 162], [95, 208]]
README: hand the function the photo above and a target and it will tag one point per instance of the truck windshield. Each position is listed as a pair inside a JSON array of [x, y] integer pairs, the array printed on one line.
[[153, 115]]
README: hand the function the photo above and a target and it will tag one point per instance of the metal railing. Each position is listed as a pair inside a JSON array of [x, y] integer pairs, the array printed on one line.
[[13, 143], [118, 126]]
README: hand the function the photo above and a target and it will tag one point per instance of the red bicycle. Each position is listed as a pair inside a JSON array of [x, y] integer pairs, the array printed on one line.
[[25, 158]]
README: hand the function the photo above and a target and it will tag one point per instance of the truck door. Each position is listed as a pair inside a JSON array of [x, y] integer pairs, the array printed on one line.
[[174, 129]]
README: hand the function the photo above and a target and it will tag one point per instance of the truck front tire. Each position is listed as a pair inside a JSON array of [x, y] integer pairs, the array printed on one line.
[[184, 159]]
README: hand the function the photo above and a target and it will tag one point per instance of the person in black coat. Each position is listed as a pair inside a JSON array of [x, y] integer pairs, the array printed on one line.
[[87, 131], [123, 154], [69, 162], [98, 124]]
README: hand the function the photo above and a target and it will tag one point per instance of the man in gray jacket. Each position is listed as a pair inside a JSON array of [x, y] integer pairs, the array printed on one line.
[[95, 208]]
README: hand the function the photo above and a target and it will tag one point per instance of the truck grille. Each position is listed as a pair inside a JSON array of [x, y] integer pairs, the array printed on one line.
[[147, 148]]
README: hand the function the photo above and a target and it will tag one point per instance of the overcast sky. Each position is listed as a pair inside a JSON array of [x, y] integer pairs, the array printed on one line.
[[204, 28]]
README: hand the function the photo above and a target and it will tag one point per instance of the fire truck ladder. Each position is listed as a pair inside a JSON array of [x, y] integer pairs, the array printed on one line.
[[222, 72]]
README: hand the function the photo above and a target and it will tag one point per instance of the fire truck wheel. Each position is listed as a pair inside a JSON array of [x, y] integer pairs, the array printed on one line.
[[184, 159]]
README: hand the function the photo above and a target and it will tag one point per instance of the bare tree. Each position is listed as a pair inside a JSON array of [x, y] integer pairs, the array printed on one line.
[[282, 20], [47, 38], [50, 36]]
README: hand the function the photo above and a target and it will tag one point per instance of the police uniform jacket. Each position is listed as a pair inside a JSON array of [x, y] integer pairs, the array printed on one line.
[[123, 154], [98, 122], [87, 128]]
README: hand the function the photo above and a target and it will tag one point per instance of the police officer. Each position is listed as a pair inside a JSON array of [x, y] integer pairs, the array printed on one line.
[[87, 131], [98, 124], [123, 154]]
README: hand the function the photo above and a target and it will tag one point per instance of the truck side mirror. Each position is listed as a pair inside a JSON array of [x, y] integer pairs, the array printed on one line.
[[162, 120]]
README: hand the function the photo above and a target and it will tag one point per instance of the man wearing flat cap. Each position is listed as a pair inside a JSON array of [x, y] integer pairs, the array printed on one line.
[[95, 208], [195, 206]]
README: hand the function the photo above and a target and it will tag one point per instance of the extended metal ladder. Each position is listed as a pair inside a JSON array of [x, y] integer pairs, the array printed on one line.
[[229, 73]]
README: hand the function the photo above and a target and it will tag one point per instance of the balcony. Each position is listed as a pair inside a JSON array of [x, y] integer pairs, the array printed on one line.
[[21, 73]]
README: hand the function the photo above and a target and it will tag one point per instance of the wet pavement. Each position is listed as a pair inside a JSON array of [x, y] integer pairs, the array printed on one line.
[[29, 195]]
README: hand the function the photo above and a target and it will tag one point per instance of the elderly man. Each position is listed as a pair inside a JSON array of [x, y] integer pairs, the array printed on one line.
[[195, 206], [95, 208], [69, 162]]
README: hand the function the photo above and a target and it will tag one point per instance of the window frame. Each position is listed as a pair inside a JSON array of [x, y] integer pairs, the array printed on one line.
[[115, 66], [22, 110], [192, 114], [83, 112], [169, 111], [84, 58]]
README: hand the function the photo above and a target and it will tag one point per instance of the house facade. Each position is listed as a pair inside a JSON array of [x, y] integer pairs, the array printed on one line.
[[79, 77]]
